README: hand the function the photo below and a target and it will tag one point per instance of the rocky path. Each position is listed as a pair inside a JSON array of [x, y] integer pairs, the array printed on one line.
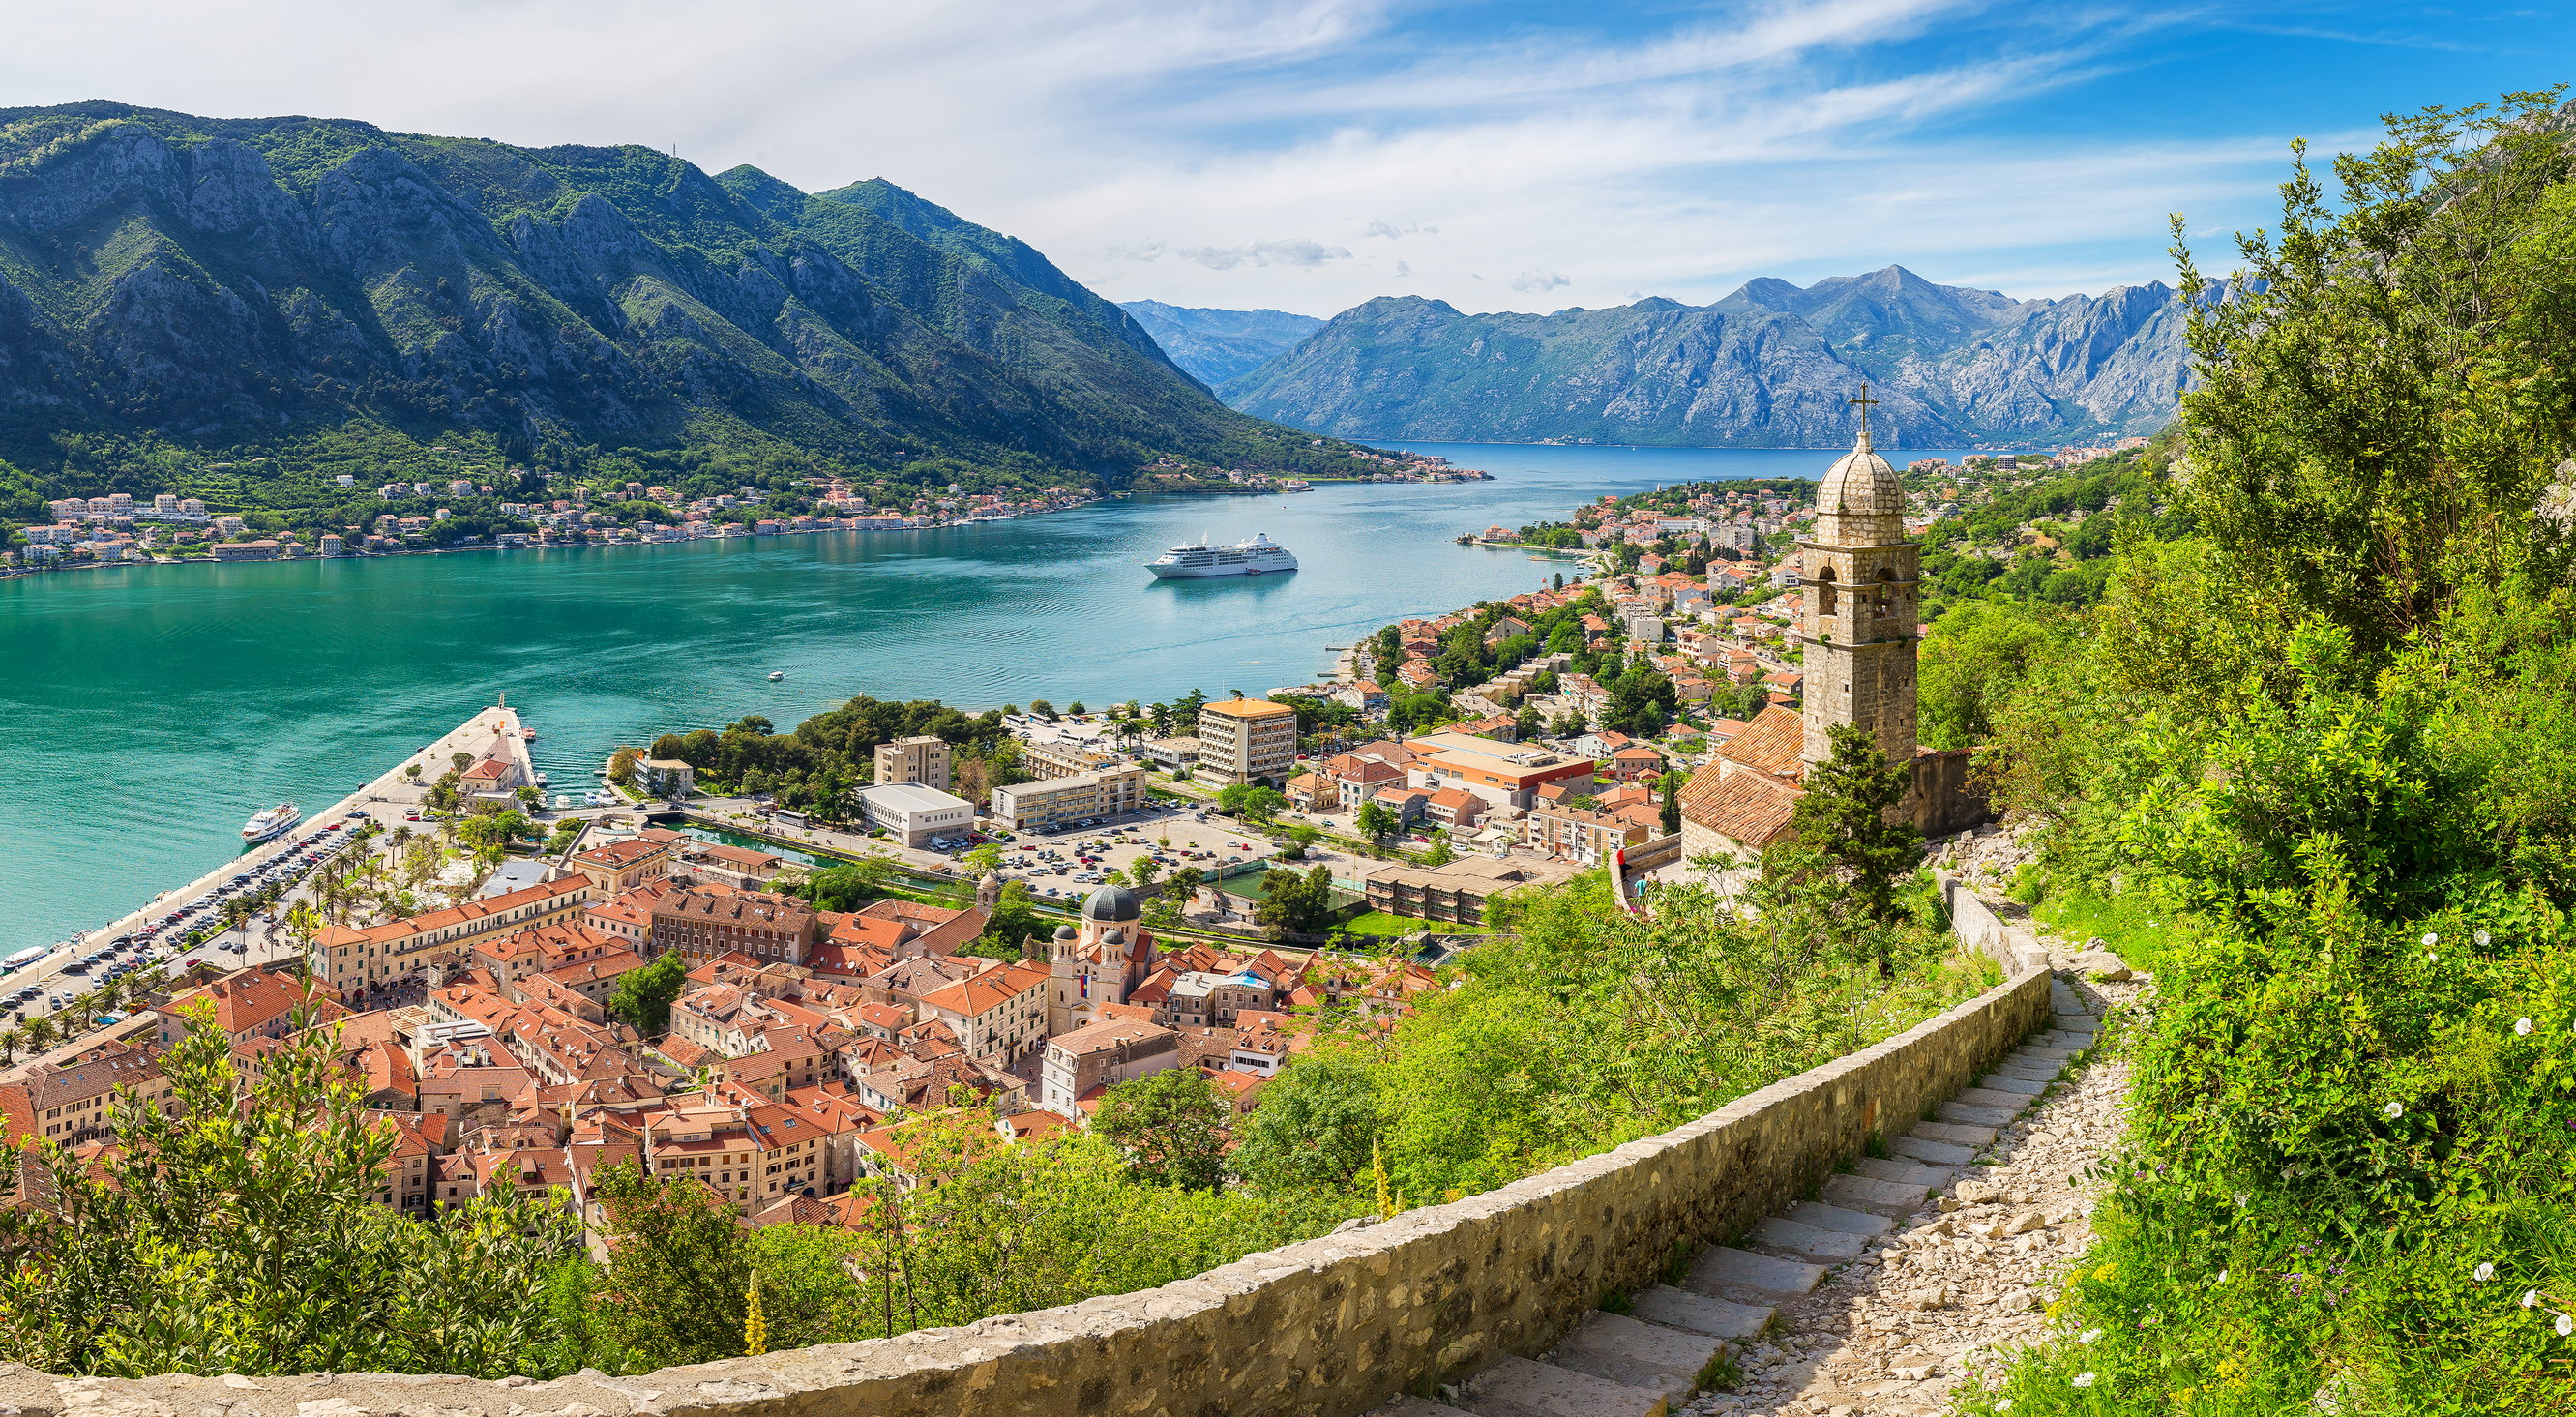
[[1898, 1283], [1957, 1282]]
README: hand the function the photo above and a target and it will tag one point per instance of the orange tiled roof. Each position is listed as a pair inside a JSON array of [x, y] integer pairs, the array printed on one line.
[[1747, 807], [1773, 743]]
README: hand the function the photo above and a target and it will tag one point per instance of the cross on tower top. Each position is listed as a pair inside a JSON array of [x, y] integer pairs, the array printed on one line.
[[1864, 403]]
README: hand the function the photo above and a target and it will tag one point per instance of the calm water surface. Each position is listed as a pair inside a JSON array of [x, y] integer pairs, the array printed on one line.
[[154, 708]]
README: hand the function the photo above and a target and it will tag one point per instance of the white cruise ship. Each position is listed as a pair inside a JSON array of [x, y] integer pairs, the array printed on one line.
[[1257, 555], [272, 822]]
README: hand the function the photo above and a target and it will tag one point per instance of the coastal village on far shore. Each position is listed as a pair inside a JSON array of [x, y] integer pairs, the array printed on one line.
[[494, 1025], [125, 528]]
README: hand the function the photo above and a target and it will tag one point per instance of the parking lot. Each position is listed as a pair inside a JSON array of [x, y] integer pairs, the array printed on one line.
[[156, 940], [1071, 863]]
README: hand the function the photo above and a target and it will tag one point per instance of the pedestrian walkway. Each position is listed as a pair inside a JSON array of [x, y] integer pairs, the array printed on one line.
[[1736, 1330]]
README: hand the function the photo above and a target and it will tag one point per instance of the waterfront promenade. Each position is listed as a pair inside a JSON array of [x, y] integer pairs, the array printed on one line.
[[385, 799]]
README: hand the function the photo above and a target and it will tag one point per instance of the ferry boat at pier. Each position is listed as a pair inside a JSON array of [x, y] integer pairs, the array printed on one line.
[[1254, 556], [276, 821]]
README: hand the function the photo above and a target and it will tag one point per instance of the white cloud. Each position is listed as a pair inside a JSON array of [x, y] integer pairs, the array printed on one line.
[[1679, 157], [1306, 254]]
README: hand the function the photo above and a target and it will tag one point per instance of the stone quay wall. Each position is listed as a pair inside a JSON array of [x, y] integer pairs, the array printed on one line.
[[1325, 1328]]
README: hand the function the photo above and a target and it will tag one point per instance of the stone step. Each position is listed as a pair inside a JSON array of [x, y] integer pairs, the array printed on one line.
[[1902, 1172], [2066, 1022], [2056, 1038], [1963, 1114], [1954, 1133], [2043, 1053], [1935, 1153], [1517, 1387], [1701, 1313], [1993, 1098], [2027, 1087], [1415, 1407], [1635, 1353], [1834, 1217], [1884, 1197], [1828, 1246], [2041, 1069], [1724, 1272]]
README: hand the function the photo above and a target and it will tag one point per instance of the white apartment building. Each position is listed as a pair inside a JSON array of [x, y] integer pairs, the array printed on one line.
[[922, 760], [1057, 801], [1241, 740]]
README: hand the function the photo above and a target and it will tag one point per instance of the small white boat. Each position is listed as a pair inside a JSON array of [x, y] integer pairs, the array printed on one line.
[[777, 674]]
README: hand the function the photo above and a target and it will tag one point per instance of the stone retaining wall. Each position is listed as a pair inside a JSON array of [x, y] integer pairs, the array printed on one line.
[[1326, 1328]]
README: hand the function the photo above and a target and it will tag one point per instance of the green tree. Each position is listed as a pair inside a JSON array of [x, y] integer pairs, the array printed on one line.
[[1295, 904], [1670, 785], [1172, 1124], [243, 1232], [1314, 1128], [679, 1271], [643, 998], [1376, 821], [1842, 860], [1015, 918], [1441, 853], [851, 884]]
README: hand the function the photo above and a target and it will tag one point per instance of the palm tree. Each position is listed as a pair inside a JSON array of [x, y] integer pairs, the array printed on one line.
[[12, 1038], [41, 1032]]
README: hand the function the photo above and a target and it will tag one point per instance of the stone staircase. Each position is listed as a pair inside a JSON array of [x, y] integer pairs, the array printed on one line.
[[1678, 1338]]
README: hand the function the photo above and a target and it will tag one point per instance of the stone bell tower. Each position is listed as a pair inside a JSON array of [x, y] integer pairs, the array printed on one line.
[[1858, 629]]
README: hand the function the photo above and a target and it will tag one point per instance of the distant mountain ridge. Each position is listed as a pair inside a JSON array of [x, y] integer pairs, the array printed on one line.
[[1770, 365], [221, 282], [1216, 346]]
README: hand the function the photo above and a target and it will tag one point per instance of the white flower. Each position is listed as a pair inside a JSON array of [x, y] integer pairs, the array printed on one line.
[[2566, 1325], [2482, 939], [2241, 1198], [2090, 1334], [2522, 1028], [2222, 1276], [2393, 1111], [2483, 1273], [2531, 1298], [2086, 1379], [2004, 1406], [2431, 958], [2431, 939]]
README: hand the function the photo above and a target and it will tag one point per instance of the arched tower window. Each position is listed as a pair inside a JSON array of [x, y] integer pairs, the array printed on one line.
[[1825, 591], [1883, 603]]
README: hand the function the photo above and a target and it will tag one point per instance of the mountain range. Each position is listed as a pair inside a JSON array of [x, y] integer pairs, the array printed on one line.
[[167, 279], [1770, 365], [1220, 345]]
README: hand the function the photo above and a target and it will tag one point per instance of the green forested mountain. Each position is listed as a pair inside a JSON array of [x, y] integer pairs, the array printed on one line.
[[169, 282], [1770, 365]]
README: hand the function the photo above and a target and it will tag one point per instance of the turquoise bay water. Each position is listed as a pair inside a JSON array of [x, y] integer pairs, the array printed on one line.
[[154, 708]]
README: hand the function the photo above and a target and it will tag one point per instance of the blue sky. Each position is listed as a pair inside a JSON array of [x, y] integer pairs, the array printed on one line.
[[1310, 154]]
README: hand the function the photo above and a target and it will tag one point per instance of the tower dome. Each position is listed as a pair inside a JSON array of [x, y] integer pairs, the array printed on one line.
[[1862, 500], [1112, 905]]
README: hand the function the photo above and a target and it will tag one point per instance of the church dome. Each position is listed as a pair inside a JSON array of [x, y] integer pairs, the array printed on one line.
[[1110, 905], [1862, 500], [1862, 484]]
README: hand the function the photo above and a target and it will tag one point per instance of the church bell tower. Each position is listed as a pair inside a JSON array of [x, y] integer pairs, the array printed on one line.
[[1858, 630]]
